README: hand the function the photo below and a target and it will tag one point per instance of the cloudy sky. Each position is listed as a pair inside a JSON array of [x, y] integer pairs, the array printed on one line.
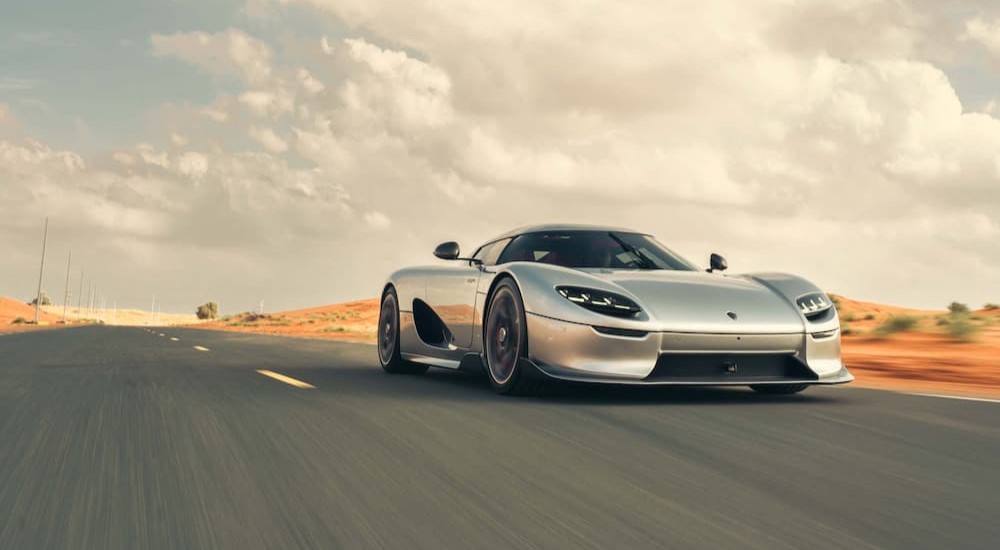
[[297, 151]]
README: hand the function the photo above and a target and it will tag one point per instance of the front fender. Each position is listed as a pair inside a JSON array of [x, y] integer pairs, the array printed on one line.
[[791, 287]]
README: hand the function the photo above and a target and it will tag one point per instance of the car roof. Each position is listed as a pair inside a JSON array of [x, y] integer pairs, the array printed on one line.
[[543, 228]]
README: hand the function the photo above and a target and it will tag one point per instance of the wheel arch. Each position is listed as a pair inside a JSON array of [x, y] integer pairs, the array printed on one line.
[[500, 277]]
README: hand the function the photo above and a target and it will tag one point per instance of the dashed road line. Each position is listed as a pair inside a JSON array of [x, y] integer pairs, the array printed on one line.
[[286, 379], [172, 339], [201, 348]]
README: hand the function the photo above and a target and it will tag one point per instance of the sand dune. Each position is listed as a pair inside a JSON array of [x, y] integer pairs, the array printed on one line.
[[52, 316], [924, 357], [352, 321], [12, 310]]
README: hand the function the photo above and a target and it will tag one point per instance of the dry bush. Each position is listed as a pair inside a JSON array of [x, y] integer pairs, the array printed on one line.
[[958, 307], [961, 330], [896, 323], [208, 310]]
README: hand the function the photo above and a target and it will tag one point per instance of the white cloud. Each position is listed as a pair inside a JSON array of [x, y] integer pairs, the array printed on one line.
[[325, 45], [309, 82], [149, 155], [9, 84], [231, 52], [269, 139], [268, 104], [124, 159], [218, 115], [985, 33], [815, 137], [178, 140], [377, 220], [192, 164]]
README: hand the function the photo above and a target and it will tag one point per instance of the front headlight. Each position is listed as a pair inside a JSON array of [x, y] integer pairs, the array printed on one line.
[[607, 303]]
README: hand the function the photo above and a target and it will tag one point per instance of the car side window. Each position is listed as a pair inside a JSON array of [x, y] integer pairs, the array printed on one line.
[[488, 253]]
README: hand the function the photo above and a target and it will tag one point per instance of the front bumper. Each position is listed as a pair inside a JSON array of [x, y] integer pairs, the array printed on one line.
[[573, 351]]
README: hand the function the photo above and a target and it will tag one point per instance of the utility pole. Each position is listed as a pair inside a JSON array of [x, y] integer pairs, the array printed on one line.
[[152, 310], [79, 298], [66, 295], [41, 270]]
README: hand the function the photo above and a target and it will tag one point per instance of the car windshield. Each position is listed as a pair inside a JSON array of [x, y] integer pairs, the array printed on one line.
[[594, 249]]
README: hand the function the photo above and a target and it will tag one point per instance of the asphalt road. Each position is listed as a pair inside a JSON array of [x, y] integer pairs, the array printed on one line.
[[121, 438]]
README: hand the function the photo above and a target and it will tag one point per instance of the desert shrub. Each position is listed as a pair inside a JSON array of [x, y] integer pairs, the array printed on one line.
[[46, 301], [19, 321], [208, 310], [870, 317], [943, 321], [962, 330], [848, 318], [253, 317], [958, 307], [989, 306], [836, 301], [896, 323]]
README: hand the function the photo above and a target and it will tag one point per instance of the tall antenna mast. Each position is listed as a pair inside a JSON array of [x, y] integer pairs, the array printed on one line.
[[41, 270]]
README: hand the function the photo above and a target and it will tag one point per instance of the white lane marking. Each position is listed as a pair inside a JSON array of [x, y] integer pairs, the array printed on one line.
[[175, 339], [200, 348], [162, 335], [286, 379], [983, 399]]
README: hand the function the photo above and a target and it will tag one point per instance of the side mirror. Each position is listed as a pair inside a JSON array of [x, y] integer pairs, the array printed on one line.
[[717, 263], [447, 251]]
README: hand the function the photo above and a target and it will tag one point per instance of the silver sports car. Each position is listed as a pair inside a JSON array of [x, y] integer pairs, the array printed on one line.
[[601, 304]]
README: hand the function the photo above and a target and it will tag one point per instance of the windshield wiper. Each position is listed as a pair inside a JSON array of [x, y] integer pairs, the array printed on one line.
[[643, 259]]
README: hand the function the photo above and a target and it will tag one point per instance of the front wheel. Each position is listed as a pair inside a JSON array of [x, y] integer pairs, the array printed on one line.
[[388, 338], [505, 342], [778, 389]]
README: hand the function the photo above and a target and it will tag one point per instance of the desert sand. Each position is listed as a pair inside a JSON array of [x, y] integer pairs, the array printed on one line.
[[52, 316], [924, 358], [352, 321], [14, 310]]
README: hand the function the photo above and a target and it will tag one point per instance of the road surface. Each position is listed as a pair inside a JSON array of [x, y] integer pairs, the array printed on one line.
[[123, 438]]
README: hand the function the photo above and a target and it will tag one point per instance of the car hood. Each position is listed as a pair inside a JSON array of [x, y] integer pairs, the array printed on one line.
[[694, 301]]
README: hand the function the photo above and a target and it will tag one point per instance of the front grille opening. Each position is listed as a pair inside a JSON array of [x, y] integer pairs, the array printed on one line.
[[628, 333], [820, 316], [728, 367]]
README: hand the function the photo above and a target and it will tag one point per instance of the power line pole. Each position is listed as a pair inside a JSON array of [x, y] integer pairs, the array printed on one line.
[[41, 270], [79, 298], [66, 295], [152, 310]]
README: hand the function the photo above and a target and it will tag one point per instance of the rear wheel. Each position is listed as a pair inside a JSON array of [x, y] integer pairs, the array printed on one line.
[[388, 338], [779, 389], [505, 342]]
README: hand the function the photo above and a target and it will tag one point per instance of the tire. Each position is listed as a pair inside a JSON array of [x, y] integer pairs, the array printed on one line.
[[779, 389], [505, 342], [388, 338]]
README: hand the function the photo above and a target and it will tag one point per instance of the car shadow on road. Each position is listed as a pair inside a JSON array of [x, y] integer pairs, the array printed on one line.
[[445, 385]]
